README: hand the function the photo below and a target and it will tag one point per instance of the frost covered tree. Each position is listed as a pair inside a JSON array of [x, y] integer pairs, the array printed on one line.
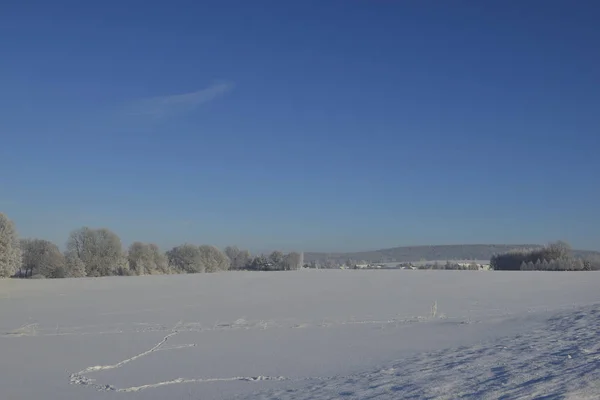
[[292, 261], [557, 257], [244, 258], [591, 263], [99, 250], [557, 250], [140, 259], [239, 259], [259, 263], [161, 263], [74, 267], [578, 265], [146, 258], [41, 257], [192, 259], [524, 266], [185, 258], [10, 250], [534, 267], [276, 260], [213, 259]]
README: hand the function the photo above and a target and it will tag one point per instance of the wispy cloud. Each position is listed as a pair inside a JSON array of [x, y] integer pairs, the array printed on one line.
[[164, 106]]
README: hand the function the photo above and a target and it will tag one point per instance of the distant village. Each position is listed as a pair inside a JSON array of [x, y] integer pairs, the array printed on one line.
[[466, 265]]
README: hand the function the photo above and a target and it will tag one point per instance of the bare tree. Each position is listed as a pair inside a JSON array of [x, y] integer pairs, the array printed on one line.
[[10, 251], [99, 250], [185, 258], [41, 257], [147, 259], [213, 259]]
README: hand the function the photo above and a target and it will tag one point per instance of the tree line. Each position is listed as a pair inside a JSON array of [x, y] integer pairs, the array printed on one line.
[[99, 252], [451, 265], [553, 257]]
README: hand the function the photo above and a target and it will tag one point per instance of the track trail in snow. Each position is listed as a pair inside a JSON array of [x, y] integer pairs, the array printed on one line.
[[486, 378], [81, 378], [325, 335]]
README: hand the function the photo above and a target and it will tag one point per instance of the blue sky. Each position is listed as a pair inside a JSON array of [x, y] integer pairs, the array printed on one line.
[[308, 125]]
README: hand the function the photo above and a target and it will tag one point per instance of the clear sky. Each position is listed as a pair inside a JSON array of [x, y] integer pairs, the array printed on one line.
[[308, 125]]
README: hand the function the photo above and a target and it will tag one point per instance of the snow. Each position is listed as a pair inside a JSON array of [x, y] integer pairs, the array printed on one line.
[[312, 334]]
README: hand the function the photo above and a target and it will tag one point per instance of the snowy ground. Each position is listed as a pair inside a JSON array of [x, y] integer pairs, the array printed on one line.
[[303, 335]]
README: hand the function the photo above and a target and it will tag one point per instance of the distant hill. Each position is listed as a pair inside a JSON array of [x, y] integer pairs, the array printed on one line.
[[417, 253]]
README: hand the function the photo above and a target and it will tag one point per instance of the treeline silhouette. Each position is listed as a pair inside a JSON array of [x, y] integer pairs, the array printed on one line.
[[99, 252], [553, 257]]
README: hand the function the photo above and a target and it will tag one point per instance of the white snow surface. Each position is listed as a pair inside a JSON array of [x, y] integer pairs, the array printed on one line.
[[317, 334]]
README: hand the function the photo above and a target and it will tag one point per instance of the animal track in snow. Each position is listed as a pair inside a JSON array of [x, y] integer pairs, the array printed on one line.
[[25, 330], [81, 377]]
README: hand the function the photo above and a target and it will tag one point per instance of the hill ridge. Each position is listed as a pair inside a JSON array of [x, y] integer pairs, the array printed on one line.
[[427, 252]]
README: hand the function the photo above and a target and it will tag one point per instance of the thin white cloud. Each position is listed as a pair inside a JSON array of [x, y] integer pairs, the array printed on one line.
[[164, 106]]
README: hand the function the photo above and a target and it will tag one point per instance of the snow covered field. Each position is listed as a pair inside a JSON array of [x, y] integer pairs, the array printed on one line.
[[318, 334]]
